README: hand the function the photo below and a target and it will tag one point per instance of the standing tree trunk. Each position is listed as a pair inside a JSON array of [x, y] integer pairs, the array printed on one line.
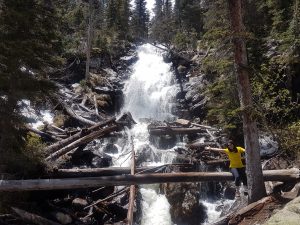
[[89, 39], [254, 171]]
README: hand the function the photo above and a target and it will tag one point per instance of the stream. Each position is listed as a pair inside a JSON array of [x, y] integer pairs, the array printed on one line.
[[149, 94]]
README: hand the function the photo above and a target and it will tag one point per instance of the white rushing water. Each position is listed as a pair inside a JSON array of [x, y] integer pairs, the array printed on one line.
[[148, 94]]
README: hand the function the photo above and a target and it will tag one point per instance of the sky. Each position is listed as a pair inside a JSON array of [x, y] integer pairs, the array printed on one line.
[[150, 5]]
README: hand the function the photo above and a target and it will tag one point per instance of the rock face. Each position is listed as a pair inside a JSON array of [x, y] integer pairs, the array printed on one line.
[[289, 215], [184, 201]]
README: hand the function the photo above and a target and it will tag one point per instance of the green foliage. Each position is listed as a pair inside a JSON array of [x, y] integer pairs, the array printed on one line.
[[140, 20], [29, 43]]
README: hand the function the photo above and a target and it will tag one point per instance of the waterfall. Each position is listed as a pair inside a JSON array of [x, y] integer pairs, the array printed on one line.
[[149, 93]]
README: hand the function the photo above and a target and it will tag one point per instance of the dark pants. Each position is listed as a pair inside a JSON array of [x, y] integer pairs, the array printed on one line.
[[239, 175]]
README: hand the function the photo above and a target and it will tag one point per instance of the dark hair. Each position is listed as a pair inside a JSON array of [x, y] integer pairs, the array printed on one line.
[[234, 149]]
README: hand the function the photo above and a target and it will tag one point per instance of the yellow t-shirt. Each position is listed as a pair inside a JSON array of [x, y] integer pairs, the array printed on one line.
[[235, 158]]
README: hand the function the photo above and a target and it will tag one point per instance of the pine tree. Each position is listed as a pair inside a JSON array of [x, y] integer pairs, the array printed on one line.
[[140, 20], [28, 45]]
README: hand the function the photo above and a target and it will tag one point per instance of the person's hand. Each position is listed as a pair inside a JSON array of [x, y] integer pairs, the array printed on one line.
[[207, 148]]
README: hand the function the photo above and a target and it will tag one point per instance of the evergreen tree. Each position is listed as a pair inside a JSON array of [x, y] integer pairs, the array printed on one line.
[[28, 43], [140, 20]]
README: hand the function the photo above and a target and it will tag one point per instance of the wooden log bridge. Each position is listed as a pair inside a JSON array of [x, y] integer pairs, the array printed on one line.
[[122, 180]]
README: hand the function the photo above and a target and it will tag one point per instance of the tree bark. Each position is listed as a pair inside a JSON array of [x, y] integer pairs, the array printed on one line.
[[122, 180], [84, 140], [254, 171], [132, 191], [89, 40]]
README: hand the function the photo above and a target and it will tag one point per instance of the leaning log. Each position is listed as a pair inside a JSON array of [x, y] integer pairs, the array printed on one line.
[[60, 144], [132, 190], [122, 180], [33, 218], [42, 134], [172, 131], [84, 140]]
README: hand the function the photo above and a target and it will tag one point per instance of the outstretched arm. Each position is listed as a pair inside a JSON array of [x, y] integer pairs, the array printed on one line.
[[215, 149]]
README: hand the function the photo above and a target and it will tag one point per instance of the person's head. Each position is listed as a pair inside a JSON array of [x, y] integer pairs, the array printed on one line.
[[231, 146]]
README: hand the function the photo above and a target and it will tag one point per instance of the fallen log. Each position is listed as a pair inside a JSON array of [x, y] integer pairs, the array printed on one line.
[[60, 144], [172, 131], [84, 140], [75, 116], [33, 218], [42, 134], [109, 171], [216, 161], [122, 180]]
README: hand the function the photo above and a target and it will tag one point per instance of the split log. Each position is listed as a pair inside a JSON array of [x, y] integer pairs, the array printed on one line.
[[42, 134], [60, 144], [33, 218], [172, 131], [84, 140], [123, 180]]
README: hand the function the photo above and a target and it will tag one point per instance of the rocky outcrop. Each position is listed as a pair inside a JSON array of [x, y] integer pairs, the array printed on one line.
[[184, 201], [289, 215]]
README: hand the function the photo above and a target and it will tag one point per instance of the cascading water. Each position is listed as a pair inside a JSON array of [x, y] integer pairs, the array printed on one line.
[[148, 94]]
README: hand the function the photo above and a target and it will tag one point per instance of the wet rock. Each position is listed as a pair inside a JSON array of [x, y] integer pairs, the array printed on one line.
[[182, 70], [126, 119], [167, 57], [119, 212], [146, 154], [229, 192], [79, 203], [198, 109], [104, 161], [110, 148], [62, 218], [184, 201], [163, 141], [80, 157], [180, 95]]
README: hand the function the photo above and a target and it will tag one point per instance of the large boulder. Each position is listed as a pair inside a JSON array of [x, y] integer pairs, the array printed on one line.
[[184, 201], [289, 215]]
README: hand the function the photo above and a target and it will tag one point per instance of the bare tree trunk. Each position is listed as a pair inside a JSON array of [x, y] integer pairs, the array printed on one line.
[[89, 39], [254, 171], [132, 190]]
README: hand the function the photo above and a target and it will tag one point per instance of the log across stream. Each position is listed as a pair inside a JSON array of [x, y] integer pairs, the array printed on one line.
[[121, 180]]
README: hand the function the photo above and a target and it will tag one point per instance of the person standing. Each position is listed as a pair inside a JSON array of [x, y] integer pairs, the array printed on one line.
[[237, 168]]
